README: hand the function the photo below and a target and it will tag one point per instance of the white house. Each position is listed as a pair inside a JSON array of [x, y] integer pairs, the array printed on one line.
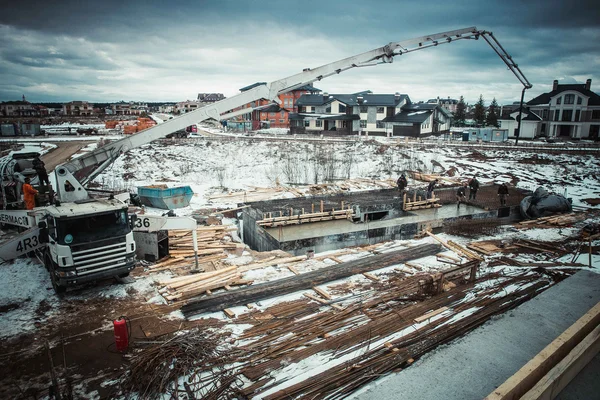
[[530, 124], [570, 110]]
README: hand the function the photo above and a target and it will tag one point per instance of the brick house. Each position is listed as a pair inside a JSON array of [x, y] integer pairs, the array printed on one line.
[[271, 115]]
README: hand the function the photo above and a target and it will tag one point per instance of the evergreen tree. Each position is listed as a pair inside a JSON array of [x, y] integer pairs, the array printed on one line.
[[492, 115], [461, 113], [479, 112]]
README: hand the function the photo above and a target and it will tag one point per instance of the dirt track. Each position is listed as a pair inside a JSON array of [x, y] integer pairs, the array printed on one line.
[[62, 153]]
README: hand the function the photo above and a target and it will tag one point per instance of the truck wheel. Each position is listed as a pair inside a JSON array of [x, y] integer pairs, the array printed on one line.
[[57, 288], [125, 275]]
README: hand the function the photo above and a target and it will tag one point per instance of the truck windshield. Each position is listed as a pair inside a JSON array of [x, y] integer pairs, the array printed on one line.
[[91, 228]]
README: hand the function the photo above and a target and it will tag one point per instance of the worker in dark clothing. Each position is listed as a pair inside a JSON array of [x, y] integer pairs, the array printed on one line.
[[473, 188], [402, 182], [430, 188], [503, 194], [461, 195], [40, 168]]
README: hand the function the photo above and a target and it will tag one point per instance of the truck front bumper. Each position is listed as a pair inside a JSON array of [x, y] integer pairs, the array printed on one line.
[[67, 276]]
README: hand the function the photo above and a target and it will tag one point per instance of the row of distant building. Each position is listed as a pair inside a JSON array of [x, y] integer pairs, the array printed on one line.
[[570, 110]]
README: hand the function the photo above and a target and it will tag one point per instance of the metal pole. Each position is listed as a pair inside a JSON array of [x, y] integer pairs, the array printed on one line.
[[520, 115]]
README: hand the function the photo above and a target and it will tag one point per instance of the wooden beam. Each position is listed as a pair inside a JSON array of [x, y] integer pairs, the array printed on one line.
[[430, 314], [322, 292], [532, 372], [559, 377]]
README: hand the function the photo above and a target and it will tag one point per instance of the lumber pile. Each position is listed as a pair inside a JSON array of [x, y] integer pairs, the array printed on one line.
[[185, 287], [457, 248], [554, 220], [303, 218], [213, 242], [417, 203], [306, 280]]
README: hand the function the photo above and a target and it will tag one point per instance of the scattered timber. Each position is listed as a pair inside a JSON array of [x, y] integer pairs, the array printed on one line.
[[306, 280]]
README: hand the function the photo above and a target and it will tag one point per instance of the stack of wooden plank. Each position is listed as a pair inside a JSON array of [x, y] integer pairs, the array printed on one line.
[[417, 203], [304, 218], [185, 287], [213, 242], [555, 220]]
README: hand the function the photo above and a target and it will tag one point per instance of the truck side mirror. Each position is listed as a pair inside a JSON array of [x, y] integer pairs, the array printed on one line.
[[132, 219], [43, 237]]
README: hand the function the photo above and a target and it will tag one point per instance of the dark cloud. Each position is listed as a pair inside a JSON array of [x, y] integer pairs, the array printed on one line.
[[155, 50]]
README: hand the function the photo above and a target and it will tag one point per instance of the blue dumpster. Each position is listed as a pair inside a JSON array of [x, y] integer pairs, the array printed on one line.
[[165, 198]]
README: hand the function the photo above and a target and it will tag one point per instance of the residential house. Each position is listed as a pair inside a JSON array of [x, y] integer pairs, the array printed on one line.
[[186, 106], [130, 108], [447, 104], [209, 98], [365, 112], [77, 108], [277, 116], [569, 111], [530, 123], [346, 113], [166, 108], [20, 108], [419, 119]]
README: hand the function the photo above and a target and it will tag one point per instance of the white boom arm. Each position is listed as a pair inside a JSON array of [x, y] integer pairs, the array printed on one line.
[[90, 165]]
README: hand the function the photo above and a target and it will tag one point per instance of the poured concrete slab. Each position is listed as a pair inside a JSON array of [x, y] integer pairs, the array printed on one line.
[[473, 366], [327, 228]]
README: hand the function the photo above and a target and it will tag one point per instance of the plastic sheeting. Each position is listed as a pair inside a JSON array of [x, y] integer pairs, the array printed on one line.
[[542, 204]]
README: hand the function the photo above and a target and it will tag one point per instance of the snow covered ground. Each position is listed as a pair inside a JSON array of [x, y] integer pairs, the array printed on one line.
[[212, 167]]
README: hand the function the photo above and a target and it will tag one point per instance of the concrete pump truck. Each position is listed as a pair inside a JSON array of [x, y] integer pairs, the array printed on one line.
[[80, 237]]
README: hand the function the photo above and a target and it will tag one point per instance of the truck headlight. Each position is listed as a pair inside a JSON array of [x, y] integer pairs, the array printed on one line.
[[63, 274]]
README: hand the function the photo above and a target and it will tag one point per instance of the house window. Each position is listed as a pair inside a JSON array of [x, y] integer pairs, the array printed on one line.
[[380, 110], [364, 109], [281, 121], [363, 123], [272, 121], [344, 124], [579, 99], [577, 115], [567, 115], [596, 114], [319, 123], [558, 101], [545, 114], [282, 114], [308, 109], [272, 114], [569, 99], [328, 109], [556, 114], [342, 108], [306, 123], [380, 124]]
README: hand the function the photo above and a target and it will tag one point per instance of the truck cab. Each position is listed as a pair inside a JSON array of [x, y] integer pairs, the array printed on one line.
[[87, 240]]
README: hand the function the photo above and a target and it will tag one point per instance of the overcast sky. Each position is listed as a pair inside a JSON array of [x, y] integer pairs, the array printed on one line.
[[108, 50]]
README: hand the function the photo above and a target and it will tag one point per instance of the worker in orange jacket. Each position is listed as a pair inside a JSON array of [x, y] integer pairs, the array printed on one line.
[[29, 194]]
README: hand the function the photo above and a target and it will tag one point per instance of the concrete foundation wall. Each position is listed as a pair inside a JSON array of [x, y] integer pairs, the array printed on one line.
[[254, 235], [377, 235]]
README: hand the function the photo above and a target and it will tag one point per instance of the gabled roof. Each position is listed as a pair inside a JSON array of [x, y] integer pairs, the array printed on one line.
[[307, 88], [385, 100], [544, 98], [271, 108], [410, 116], [252, 86], [334, 117]]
